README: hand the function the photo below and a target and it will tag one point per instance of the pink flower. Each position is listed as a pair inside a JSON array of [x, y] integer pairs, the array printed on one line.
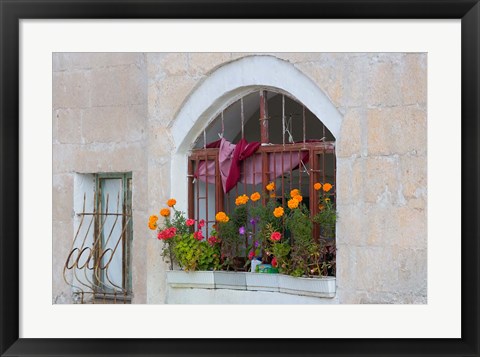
[[212, 240], [276, 236], [198, 235], [190, 222], [201, 223], [274, 262], [167, 233], [251, 255]]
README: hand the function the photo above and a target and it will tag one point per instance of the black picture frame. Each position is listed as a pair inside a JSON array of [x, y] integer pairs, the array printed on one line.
[[12, 11]]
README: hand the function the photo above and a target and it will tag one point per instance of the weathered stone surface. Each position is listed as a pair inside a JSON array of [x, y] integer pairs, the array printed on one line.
[[351, 141], [139, 256], [114, 124], [413, 175], [71, 90], [383, 76], [62, 238], [169, 93], [62, 199], [167, 64], [88, 60], [201, 64], [414, 79], [382, 184], [118, 86], [67, 126]]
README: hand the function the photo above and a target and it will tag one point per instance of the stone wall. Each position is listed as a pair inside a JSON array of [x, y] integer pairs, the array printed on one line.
[[99, 125], [110, 104]]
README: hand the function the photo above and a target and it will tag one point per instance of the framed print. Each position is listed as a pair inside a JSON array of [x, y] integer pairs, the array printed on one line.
[[174, 183]]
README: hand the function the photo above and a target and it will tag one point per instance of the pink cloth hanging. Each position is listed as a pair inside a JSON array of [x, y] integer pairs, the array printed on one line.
[[239, 164]]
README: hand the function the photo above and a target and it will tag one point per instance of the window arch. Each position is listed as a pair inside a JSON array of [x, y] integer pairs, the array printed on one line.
[[265, 136]]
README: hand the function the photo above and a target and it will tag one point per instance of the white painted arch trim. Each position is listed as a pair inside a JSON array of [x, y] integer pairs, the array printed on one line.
[[229, 83]]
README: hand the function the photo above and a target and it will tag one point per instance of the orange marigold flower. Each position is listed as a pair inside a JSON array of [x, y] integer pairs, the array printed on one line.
[[327, 187], [255, 196], [241, 200], [222, 217], [153, 218], [293, 203], [171, 202], [278, 212], [317, 186], [294, 192], [271, 186], [298, 198], [327, 199], [273, 195], [165, 212], [321, 207], [152, 225]]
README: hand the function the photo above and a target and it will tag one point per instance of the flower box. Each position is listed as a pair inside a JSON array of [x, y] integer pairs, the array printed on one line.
[[230, 280], [317, 287], [191, 279], [262, 281]]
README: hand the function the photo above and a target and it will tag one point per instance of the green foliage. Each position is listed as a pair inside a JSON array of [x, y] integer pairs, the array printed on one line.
[[282, 251], [301, 229], [326, 218], [192, 254]]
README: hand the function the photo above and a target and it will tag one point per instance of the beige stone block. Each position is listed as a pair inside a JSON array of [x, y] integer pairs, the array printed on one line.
[[156, 273], [381, 225], [304, 57], [167, 64], [343, 181], [319, 72], [65, 61], [374, 269], [397, 130], [379, 132], [159, 140], [412, 132], [98, 158], [382, 184], [413, 175], [139, 272], [411, 265], [62, 197], [383, 78], [62, 238], [159, 183], [355, 74], [68, 126], [412, 227], [201, 64], [414, 79], [119, 86], [71, 89], [114, 124], [351, 225], [358, 180], [350, 141], [167, 95], [140, 190]]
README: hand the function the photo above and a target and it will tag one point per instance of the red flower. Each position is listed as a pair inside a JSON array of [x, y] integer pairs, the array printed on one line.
[[212, 240], [276, 236], [274, 262], [198, 235], [251, 255], [167, 233], [201, 223], [190, 222]]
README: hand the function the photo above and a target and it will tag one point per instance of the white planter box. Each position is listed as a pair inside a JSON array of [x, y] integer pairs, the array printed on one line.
[[261, 281], [230, 280], [191, 279], [318, 287]]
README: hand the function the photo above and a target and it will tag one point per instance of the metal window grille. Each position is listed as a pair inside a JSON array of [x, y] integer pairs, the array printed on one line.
[[206, 196], [98, 266]]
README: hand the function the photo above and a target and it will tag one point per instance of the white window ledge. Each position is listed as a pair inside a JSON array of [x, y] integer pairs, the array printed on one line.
[[323, 287]]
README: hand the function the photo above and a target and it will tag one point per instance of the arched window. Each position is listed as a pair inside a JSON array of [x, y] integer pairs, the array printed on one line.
[[266, 136]]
